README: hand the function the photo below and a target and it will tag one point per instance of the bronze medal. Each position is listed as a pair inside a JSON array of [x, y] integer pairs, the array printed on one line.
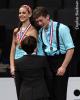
[[51, 48]]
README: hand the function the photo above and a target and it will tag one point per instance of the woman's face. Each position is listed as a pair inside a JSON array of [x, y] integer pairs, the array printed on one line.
[[23, 14]]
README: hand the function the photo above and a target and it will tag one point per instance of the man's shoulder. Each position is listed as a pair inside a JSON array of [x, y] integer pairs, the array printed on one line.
[[63, 27]]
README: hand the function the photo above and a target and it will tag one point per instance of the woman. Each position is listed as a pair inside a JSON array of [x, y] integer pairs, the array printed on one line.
[[29, 73], [25, 29]]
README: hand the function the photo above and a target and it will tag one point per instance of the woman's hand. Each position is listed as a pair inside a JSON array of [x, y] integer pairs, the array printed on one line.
[[12, 71]]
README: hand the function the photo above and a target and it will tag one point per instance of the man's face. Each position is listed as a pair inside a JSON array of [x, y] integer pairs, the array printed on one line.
[[42, 21]]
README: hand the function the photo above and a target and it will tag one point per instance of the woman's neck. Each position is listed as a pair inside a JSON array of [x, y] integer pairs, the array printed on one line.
[[25, 24]]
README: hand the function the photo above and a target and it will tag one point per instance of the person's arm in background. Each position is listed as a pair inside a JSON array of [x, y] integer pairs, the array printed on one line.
[[68, 42], [12, 52]]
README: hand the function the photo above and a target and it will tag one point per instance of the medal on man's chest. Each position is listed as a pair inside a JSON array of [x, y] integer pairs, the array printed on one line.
[[51, 48], [51, 38]]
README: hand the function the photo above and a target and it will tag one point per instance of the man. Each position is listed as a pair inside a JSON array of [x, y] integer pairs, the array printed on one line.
[[55, 42]]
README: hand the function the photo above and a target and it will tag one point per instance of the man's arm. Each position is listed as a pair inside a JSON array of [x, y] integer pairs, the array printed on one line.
[[61, 70], [40, 45]]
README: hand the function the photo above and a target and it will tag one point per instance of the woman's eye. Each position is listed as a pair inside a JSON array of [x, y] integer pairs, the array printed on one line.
[[22, 12]]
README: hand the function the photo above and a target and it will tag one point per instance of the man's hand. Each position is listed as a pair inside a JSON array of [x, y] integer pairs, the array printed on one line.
[[61, 71]]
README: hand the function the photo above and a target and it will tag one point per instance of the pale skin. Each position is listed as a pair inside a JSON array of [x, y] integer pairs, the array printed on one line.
[[24, 16], [43, 22], [61, 70]]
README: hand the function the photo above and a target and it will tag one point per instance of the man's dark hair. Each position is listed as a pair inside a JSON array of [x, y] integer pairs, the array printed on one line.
[[29, 44], [40, 11]]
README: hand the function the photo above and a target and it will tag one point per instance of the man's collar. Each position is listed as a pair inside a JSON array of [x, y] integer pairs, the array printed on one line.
[[48, 26]]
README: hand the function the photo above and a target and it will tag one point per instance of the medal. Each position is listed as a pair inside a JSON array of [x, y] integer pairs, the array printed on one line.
[[19, 46], [51, 37], [50, 40], [21, 35], [51, 48]]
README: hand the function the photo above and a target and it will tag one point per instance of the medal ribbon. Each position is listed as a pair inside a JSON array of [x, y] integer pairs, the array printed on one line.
[[51, 36], [21, 35]]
